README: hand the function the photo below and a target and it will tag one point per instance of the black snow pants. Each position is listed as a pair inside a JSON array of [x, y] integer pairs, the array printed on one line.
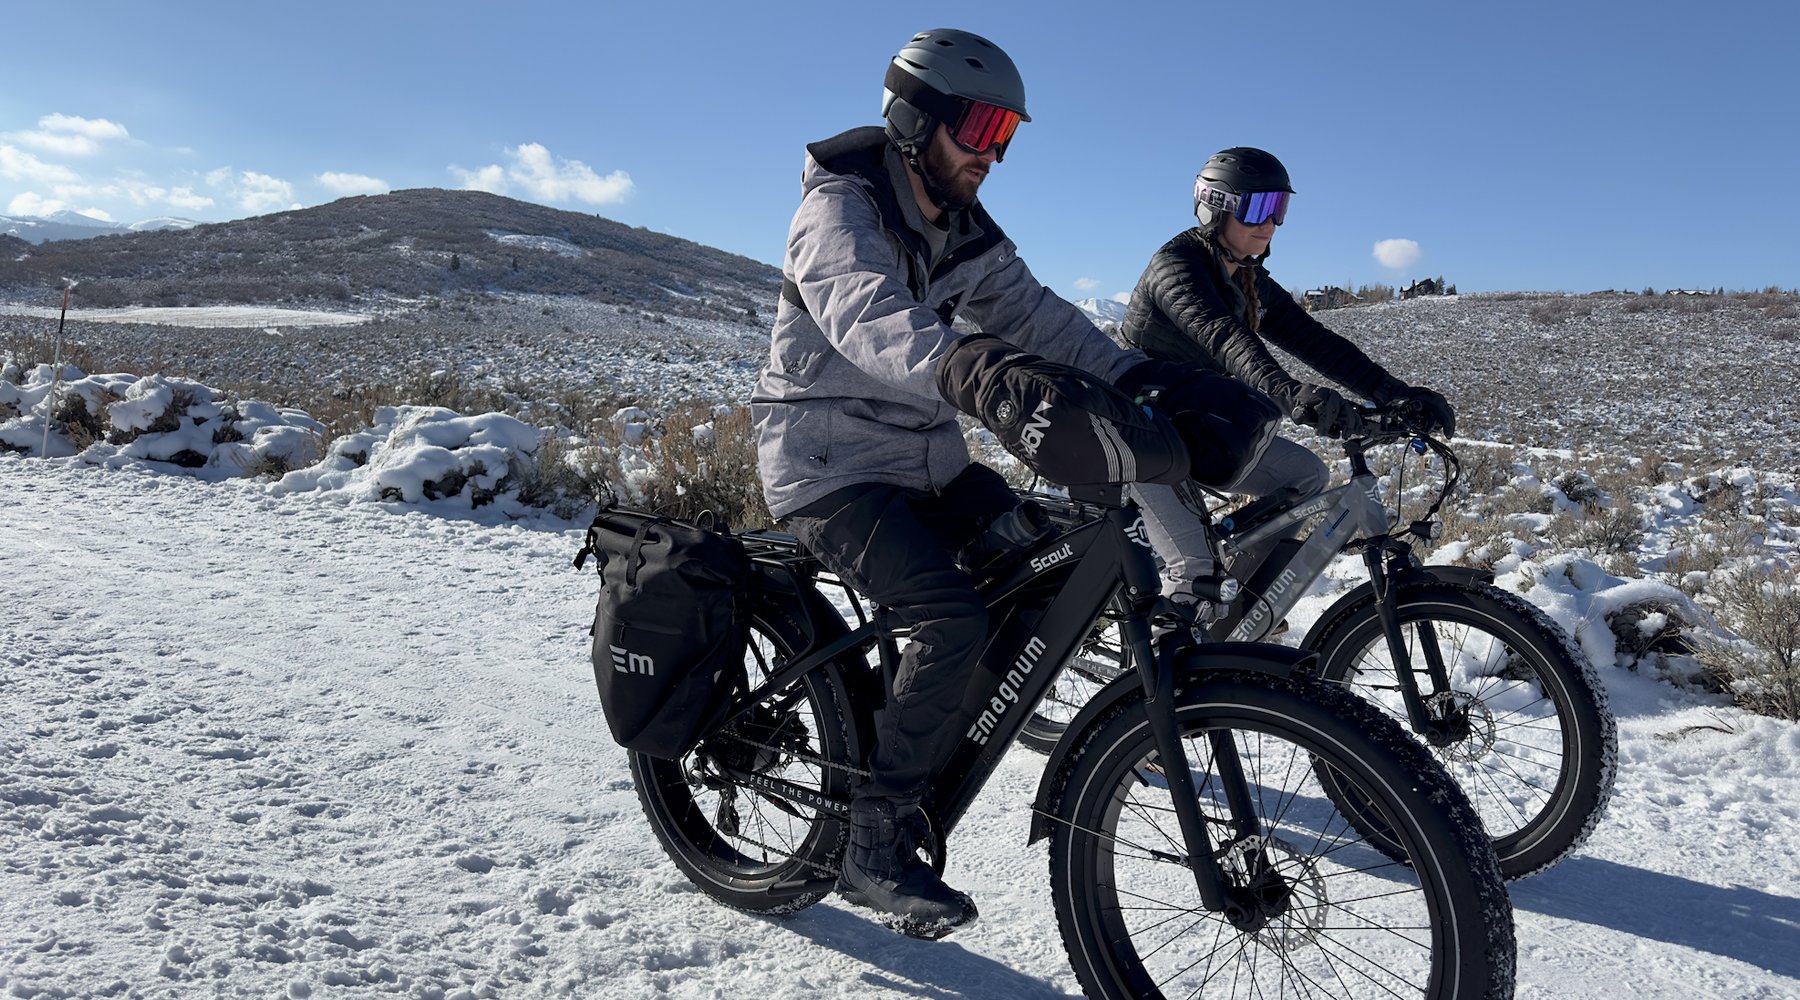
[[897, 547]]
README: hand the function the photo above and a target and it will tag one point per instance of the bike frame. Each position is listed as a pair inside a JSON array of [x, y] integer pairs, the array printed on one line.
[[1356, 510], [1355, 516], [1042, 610]]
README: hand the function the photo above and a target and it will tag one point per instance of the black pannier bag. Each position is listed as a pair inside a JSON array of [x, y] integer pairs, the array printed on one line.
[[670, 630]]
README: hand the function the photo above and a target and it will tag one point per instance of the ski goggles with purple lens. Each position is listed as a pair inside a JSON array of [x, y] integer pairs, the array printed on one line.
[[1252, 209]]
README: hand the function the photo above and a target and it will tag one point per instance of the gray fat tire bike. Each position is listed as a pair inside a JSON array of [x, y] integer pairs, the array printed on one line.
[[1493, 686]]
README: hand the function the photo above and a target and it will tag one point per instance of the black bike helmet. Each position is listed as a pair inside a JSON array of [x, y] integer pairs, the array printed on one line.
[[934, 73], [1239, 170]]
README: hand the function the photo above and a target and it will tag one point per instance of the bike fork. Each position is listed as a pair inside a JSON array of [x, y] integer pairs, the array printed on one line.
[[1383, 578], [1157, 674]]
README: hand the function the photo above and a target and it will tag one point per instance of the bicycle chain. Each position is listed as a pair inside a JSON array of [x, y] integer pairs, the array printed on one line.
[[798, 755]]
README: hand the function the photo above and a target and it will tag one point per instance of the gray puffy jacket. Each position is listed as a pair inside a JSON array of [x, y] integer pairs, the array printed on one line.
[[849, 394]]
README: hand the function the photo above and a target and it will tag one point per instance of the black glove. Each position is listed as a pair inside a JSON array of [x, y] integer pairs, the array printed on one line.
[[1065, 424], [1325, 408], [1225, 423], [1426, 407]]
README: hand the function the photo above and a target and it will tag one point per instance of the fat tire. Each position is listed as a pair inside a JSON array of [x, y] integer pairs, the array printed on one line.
[[1588, 746], [1459, 892], [683, 811]]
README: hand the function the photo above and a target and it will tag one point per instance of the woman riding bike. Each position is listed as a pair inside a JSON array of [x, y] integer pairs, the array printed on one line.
[[1205, 298]]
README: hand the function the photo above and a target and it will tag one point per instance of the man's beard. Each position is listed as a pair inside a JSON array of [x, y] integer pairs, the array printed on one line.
[[945, 188]]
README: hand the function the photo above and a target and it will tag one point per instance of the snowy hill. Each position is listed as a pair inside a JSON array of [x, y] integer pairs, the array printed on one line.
[[377, 251]]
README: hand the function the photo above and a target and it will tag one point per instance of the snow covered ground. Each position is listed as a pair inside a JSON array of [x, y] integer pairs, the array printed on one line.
[[201, 317], [259, 744]]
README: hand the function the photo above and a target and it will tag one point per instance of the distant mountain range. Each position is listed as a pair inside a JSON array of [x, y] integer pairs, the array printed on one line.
[[75, 226], [1105, 313], [374, 249]]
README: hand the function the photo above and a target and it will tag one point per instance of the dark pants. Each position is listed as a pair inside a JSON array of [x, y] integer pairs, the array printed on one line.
[[898, 547]]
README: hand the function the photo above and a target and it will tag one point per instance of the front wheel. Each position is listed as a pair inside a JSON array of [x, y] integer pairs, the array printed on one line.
[[1322, 911], [1533, 744], [758, 849]]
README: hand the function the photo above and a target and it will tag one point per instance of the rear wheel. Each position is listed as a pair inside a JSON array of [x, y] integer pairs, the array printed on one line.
[[1533, 744], [1322, 912], [761, 850]]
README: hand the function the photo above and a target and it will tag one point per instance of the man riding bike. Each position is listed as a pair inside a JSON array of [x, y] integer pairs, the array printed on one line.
[[1205, 298], [859, 451]]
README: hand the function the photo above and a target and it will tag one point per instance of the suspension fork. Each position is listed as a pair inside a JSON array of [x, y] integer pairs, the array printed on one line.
[[1384, 575], [1156, 670]]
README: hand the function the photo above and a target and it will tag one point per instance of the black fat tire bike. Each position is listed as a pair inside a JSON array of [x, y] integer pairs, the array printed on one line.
[[1499, 692], [1195, 846]]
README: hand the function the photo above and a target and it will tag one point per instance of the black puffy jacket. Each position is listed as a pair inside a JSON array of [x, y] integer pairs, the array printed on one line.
[[1185, 308]]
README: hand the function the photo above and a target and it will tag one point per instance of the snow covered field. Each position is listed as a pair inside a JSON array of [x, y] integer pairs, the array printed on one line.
[[258, 745], [335, 734], [202, 317]]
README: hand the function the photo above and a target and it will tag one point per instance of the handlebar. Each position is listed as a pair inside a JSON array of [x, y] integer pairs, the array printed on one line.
[[1407, 421]]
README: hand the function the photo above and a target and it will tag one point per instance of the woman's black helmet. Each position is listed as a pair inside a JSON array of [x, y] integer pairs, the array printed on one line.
[[1230, 174], [931, 77]]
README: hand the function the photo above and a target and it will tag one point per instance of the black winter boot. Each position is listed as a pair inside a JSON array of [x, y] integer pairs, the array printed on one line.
[[882, 871]]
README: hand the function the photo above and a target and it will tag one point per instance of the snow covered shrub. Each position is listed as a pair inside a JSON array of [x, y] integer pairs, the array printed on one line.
[[1697, 551], [1760, 663], [568, 476], [706, 460], [1581, 492], [1488, 470], [1620, 530], [423, 455]]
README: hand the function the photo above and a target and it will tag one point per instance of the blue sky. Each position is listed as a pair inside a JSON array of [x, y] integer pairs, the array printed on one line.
[[1517, 146]]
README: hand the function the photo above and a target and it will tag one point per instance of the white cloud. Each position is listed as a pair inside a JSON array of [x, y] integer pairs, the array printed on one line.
[[18, 165], [31, 203], [491, 179], [540, 175], [1124, 297], [98, 129], [67, 135], [347, 184], [185, 198], [1397, 255], [258, 193], [1086, 284]]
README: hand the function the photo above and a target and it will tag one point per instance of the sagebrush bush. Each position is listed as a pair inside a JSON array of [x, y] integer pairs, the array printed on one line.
[[707, 462], [1760, 664], [1698, 551], [1618, 531]]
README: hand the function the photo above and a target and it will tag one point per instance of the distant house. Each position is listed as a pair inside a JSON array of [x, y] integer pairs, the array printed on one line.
[[1330, 297], [1424, 286]]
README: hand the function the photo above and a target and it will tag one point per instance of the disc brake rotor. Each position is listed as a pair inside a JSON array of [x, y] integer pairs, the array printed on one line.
[[1267, 865], [1480, 721]]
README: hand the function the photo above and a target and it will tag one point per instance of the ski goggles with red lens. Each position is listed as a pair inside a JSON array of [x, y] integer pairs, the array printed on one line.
[[983, 126], [1252, 209]]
